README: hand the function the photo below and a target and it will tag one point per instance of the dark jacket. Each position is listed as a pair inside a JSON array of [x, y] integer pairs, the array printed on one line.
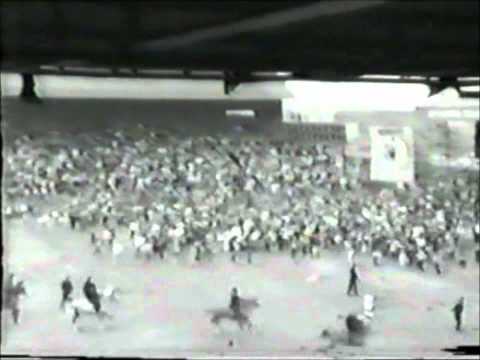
[[235, 303], [90, 290], [67, 287], [458, 309], [353, 274]]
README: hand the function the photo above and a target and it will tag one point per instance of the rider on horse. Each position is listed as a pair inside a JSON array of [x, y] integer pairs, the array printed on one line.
[[12, 292], [10, 282], [235, 302], [90, 292], [67, 289], [9, 286]]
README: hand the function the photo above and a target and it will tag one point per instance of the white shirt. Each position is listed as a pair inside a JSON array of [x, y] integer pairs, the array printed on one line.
[[134, 226], [237, 231], [248, 224], [155, 229], [338, 238], [421, 255], [403, 258]]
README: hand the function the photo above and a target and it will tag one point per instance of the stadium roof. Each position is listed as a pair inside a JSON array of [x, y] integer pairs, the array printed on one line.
[[327, 40]]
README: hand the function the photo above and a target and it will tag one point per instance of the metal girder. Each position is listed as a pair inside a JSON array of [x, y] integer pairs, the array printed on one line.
[[268, 21]]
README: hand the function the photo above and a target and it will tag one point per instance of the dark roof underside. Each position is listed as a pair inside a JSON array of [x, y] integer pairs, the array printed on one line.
[[432, 38]]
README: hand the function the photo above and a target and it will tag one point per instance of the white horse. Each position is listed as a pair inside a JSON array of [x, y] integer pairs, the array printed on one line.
[[81, 307]]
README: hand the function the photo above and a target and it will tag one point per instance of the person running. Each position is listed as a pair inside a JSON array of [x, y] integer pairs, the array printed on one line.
[[437, 263], [248, 248], [293, 248], [458, 313], [421, 258], [73, 221], [377, 257], [352, 284]]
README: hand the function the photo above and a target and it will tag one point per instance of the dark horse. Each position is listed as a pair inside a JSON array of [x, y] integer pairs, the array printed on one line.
[[358, 325], [242, 318], [11, 300]]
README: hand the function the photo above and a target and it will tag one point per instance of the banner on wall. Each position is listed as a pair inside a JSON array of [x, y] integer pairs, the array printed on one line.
[[392, 154]]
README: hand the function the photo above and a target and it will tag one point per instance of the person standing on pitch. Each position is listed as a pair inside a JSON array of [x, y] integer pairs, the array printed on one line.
[[73, 220], [458, 313], [235, 302], [352, 284]]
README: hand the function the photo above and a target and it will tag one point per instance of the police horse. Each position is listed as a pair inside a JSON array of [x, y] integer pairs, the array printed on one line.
[[12, 297], [358, 325], [82, 308], [242, 319]]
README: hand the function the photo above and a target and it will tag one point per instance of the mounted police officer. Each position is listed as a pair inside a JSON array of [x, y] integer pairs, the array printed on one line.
[[10, 283], [67, 289], [235, 302], [90, 292]]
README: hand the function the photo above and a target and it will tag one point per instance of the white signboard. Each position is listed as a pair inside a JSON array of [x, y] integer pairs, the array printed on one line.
[[353, 132], [392, 154], [240, 113]]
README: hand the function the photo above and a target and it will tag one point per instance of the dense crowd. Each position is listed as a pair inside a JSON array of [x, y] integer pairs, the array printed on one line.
[[243, 196]]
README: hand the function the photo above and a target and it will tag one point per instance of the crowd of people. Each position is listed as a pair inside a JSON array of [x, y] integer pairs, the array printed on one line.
[[240, 195]]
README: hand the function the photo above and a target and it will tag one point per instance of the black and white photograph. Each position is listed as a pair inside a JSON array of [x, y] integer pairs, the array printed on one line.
[[240, 179]]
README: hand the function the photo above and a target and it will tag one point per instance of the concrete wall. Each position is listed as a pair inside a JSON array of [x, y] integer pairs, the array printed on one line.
[[188, 117]]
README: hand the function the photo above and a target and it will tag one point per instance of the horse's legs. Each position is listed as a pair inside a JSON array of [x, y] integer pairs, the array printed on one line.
[[100, 315], [76, 315]]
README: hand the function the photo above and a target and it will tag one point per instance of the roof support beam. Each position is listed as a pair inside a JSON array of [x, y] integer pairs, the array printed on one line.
[[269, 21]]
